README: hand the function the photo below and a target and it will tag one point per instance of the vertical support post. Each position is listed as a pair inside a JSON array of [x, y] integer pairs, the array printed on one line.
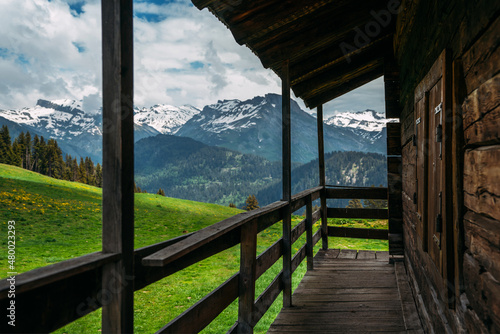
[[248, 253], [118, 165], [322, 178], [287, 186], [309, 234]]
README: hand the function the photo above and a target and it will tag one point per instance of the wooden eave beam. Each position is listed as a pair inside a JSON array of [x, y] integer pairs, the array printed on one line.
[[313, 33], [315, 100], [338, 75], [278, 14], [324, 60]]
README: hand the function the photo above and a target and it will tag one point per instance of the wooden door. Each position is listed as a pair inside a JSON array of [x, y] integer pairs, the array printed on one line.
[[434, 161], [421, 132]]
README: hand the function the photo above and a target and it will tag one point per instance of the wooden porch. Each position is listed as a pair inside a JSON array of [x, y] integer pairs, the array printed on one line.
[[351, 291]]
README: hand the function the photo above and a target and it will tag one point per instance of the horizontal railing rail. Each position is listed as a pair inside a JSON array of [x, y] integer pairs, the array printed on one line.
[[378, 193], [53, 296]]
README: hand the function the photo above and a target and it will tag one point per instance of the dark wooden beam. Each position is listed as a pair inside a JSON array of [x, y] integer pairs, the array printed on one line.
[[322, 178], [358, 193], [247, 279], [198, 316], [392, 87], [358, 213], [287, 187], [118, 164], [341, 86], [309, 235], [310, 66], [50, 297], [362, 233], [294, 40], [339, 74]]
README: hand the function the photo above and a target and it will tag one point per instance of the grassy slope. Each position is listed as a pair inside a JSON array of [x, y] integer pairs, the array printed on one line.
[[58, 220]]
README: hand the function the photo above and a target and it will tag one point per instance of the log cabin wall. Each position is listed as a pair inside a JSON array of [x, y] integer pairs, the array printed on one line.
[[458, 289]]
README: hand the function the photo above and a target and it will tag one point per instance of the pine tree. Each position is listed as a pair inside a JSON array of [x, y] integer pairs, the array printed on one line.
[[98, 176], [355, 204], [27, 152], [82, 175], [5, 145], [251, 203]]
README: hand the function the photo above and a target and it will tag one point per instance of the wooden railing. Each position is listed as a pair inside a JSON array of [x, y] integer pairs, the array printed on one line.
[[357, 193], [51, 297]]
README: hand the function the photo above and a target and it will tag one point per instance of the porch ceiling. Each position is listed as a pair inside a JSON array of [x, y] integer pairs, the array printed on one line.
[[333, 46]]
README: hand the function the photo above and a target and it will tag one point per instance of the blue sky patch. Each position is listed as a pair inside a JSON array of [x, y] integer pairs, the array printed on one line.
[[150, 17], [76, 8], [4, 53], [80, 47], [196, 65]]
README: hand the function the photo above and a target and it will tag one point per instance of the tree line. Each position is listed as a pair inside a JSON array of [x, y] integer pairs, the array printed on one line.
[[45, 157]]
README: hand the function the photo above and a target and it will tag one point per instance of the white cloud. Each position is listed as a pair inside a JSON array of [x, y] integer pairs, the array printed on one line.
[[51, 50]]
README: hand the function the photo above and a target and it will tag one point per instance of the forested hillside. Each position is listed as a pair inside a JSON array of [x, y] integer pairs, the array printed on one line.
[[46, 157], [342, 169], [185, 168]]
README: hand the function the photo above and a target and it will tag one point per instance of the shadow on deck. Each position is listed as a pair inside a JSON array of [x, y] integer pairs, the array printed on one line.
[[351, 291]]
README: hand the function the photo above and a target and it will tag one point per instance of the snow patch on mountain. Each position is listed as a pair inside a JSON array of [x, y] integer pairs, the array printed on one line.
[[367, 120], [231, 115], [164, 118]]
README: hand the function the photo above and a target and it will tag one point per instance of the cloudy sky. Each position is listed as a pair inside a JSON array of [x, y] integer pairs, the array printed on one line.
[[52, 50]]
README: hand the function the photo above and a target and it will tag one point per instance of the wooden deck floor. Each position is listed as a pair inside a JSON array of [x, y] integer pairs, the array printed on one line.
[[350, 291]]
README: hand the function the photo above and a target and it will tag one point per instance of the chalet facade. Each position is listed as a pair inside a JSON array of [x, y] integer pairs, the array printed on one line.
[[441, 67]]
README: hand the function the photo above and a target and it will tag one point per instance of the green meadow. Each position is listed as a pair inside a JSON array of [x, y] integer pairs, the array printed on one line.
[[58, 220]]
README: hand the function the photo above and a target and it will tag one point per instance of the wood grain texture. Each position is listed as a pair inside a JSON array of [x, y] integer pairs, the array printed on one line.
[[482, 180], [358, 193], [348, 295]]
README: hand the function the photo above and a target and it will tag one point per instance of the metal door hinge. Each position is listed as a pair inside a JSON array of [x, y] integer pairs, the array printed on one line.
[[438, 109]]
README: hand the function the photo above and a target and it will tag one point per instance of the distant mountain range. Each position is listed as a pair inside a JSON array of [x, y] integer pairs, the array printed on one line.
[[251, 126], [224, 152], [188, 169]]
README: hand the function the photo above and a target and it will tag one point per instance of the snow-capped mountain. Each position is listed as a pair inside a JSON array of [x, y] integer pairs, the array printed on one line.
[[164, 118], [367, 120], [368, 124], [77, 132], [254, 126], [251, 126], [59, 119]]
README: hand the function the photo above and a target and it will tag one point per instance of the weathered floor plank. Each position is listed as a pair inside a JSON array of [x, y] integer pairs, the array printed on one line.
[[350, 291]]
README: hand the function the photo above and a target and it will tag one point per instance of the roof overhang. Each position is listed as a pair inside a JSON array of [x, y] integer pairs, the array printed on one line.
[[332, 46]]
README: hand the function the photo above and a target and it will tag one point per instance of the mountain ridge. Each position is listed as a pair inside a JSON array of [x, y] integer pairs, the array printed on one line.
[[251, 126]]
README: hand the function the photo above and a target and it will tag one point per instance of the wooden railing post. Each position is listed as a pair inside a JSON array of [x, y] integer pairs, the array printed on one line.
[[118, 166], [287, 186], [322, 178], [248, 253], [309, 234]]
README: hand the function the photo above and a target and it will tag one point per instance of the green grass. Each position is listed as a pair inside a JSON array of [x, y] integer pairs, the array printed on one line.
[[58, 220]]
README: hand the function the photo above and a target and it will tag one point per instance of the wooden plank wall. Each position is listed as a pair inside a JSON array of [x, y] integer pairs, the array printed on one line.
[[470, 31], [481, 180]]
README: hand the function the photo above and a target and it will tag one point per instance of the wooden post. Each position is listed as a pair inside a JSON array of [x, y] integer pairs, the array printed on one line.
[[459, 94], [118, 166], [287, 186], [309, 234], [322, 178], [248, 261]]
